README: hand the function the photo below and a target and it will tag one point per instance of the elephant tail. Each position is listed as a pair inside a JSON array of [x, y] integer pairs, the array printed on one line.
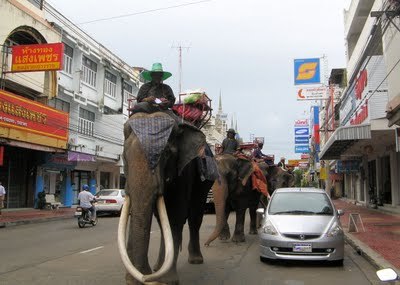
[[220, 193]]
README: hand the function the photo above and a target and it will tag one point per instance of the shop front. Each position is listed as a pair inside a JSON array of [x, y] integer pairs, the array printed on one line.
[[29, 131]]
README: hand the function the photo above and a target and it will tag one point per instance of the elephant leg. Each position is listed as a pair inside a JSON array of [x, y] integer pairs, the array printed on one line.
[[225, 233], [253, 220], [139, 236], [238, 235], [195, 219]]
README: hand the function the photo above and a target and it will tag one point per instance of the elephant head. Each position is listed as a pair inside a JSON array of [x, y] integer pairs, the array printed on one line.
[[278, 178], [156, 151]]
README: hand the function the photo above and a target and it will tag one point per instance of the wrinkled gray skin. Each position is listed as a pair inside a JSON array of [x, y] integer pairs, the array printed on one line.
[[185, 198], [233, 190]]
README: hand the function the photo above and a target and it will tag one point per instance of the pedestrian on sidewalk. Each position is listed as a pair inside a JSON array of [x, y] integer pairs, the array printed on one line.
[[2, 196]]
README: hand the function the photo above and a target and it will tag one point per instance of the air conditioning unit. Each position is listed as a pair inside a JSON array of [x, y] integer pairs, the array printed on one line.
[[80, 99]]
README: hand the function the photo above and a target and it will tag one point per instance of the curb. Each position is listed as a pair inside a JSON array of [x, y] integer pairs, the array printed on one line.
[[374, 258], [33, 221]]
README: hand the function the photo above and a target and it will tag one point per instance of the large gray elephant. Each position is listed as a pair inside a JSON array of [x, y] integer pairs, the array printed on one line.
[[162, 166], [234, 190]]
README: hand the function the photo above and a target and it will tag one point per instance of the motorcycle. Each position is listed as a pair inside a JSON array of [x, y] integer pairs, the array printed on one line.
[[84, 216], [387, 275]]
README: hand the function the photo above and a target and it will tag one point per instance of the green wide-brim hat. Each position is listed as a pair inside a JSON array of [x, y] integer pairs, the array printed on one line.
[[157, 67]]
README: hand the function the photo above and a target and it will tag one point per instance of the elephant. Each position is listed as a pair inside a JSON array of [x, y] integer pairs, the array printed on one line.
[[171, 188], [234, 188]]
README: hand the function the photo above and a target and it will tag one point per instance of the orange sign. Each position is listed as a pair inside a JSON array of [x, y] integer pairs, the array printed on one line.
[[32, 120], [42, 57]]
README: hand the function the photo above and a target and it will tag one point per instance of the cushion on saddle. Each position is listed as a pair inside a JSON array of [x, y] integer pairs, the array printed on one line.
[[153, 134]]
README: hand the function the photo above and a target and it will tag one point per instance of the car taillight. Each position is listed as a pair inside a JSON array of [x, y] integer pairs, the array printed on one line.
[[111, 201]]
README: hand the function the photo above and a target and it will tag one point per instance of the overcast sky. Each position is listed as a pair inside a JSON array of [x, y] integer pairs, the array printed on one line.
[[243, 48]]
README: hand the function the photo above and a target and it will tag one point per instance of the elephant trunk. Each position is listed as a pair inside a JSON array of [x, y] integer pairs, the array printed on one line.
[[220, 193], [168, 241]]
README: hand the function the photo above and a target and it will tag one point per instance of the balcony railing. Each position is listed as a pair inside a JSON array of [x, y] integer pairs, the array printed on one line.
[[110, 88], [89, 76], [86, 127]]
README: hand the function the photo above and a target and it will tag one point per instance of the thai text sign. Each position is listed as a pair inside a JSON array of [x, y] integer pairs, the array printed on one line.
[[28, 116], [348, 166], [307, 71], [301, 123], [312, 93], [41, 57]]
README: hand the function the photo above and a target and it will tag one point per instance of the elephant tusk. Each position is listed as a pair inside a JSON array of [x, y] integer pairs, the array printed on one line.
[[168, 242], [169, 252]]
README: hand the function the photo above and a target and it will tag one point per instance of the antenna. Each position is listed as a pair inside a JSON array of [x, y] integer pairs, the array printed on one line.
[[179, 48]]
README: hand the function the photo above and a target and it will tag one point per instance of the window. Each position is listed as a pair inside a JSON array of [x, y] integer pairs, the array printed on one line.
[[59, 104], [128, 92], [89, 71], [110, 84], [86, 122], [68, 55]]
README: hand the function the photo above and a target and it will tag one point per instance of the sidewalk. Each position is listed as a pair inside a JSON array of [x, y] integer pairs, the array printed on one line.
[[380, 243], [12, 217]]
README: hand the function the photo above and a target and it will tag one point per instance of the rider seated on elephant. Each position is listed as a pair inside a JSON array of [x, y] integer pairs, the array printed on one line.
[[230, 144], [156, 89], [259, 156]]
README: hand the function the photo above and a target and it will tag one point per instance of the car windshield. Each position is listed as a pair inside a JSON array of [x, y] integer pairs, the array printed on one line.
[[300, 203], [107, 193]]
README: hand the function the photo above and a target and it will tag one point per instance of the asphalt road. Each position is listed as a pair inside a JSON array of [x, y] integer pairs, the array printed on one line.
[[60, 253]]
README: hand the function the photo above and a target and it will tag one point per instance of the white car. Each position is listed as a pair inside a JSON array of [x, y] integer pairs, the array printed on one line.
[[301, 224], [110, 200]]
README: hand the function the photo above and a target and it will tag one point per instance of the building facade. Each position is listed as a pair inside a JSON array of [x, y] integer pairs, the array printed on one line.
[[85, 103], [363, 147]]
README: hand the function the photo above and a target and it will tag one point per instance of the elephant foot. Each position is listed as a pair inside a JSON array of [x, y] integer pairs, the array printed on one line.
[[225, 235], [195, 259], [238, 238], [170, 278], [253, 232]]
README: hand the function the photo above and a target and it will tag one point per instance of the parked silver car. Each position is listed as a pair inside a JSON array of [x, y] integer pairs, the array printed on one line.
[[110, 200], [301, 224]]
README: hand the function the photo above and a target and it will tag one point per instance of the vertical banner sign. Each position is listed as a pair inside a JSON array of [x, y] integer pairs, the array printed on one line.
[[307, 71], [41, 57], [316, 127]]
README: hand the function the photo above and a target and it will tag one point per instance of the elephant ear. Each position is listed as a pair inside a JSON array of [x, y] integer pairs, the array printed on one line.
[[191, 143], [153, 133], [245, 169]]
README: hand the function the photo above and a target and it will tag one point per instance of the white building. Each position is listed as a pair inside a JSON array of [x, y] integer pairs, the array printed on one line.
[[89, 98], [364, 146]]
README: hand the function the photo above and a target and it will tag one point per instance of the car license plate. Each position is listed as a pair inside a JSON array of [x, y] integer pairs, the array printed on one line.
[[78, 213], [302, 247]]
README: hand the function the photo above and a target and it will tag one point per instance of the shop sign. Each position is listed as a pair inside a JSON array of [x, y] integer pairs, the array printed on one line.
[[59, 160], [28, 116], [301, 123], [361, 83], [313, 93], [38, 57], [348, 166], [301, 132], [79, 156], [301, 140], [305, 156], [335, 176], [301, 149], [361, 115], [303, 165], [296, 162], [307, 71]]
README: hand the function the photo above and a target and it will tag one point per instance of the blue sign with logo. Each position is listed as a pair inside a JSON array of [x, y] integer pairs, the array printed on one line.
[[301, 140], [301, 149], [301, 131], [307, 71]]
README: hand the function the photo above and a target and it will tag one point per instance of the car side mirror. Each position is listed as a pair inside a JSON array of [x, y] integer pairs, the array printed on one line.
[[340, 212], [387, 274]]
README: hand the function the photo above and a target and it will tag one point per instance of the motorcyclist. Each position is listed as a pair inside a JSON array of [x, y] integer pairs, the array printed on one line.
[[85, 201]]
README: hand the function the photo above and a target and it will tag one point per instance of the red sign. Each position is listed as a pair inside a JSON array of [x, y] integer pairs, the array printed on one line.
[[41, 57], [26, 115], [305, 156], [361, 82], [301, 123], [360, 116]]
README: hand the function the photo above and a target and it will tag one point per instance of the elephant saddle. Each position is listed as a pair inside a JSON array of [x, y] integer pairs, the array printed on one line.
[[258, 180]]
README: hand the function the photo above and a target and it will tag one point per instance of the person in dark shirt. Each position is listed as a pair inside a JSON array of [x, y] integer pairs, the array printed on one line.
[[230, 144], [282, 163], [259, 156], [156, 89]]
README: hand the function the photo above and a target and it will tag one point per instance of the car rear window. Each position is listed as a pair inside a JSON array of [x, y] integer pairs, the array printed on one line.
[[300, 203], [108, 193]]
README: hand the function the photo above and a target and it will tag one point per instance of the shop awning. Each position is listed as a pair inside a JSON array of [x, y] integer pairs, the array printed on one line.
[[342, 139]]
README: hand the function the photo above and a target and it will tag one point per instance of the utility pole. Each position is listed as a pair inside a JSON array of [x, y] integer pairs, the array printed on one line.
[[179, 48]]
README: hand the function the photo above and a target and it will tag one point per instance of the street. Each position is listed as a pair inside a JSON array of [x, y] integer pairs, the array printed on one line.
[[60, 253]]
